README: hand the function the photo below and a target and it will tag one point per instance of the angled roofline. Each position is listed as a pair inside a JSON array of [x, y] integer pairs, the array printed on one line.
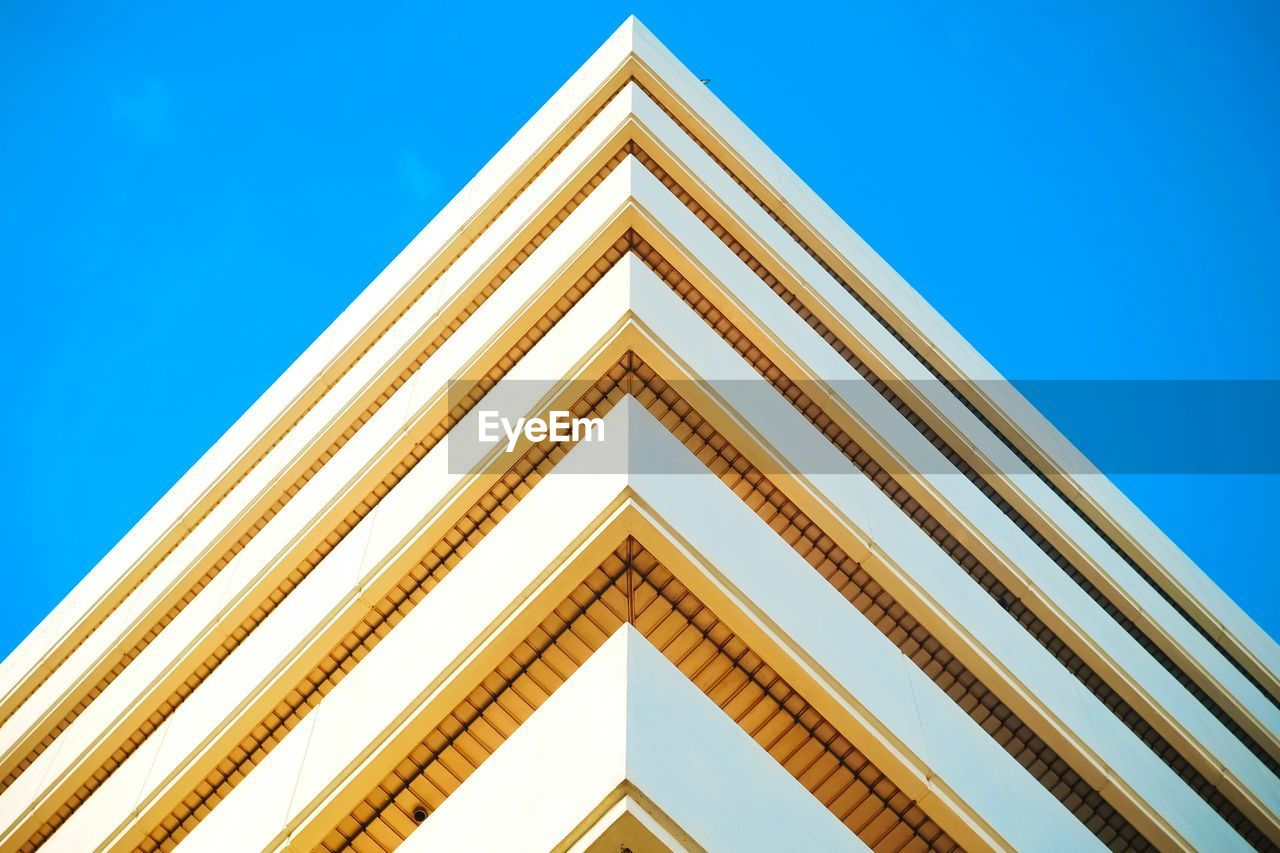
[[630, 50], [1108, 745], [456, 235], [558, 546], [629, 734], [913, 317]]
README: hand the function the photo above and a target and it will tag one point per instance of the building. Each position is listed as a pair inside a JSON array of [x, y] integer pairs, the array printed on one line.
[[811, 587]]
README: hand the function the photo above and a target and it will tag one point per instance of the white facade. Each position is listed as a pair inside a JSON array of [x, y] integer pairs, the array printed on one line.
[[773, 608]]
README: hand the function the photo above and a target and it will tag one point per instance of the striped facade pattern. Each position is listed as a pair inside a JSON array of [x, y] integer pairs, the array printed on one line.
[[297, 647]]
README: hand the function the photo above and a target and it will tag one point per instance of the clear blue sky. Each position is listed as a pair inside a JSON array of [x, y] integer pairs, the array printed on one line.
[[188, 197]]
